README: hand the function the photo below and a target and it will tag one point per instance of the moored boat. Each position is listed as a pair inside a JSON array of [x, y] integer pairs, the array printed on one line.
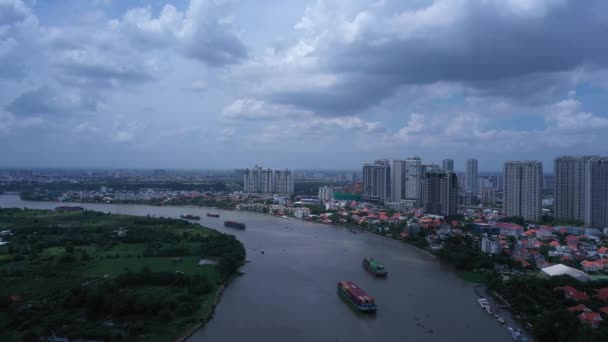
[[355, 295], [374, 267], [234, 224], [190, 217], [213, 215]]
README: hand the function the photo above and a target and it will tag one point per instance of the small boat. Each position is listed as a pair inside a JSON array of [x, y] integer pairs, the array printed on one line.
[[489, 310], [353, 231], [190, 217], [356, 296], [497, 316], [483, 302], [213, 215], [285, 217], [517, 335], [501, 320]]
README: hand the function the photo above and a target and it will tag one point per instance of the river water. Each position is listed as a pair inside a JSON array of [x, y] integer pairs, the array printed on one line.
[[289, 292]]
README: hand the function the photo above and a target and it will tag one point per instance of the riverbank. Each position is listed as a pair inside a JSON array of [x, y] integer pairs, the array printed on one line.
[[138, 276]]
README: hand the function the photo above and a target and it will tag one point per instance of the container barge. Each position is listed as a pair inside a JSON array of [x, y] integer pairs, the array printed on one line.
[[355, 296], [234, 224]]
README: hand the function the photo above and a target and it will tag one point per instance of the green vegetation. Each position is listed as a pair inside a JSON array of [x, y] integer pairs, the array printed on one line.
[[91, 275], [114, 184], [476, 277], [534, 299]]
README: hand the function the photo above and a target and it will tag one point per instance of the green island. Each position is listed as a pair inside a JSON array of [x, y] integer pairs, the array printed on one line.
[[91, 275]]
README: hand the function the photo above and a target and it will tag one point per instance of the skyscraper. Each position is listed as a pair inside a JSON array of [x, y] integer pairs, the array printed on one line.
[[448, 165], [596, 192], [523, 189], [440, 193], [472, 177], [569, 187], [283, 182], [398, 180], [375, 182], [413, 178]]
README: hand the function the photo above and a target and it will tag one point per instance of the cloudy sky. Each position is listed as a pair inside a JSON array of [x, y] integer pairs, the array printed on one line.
[[300, 83]]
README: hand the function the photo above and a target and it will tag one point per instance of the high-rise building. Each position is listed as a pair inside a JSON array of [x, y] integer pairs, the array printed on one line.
[[440, 194], [326, 193], [268, 181], [283, 182], [596, 194], [448, 165], [398, 180], [387, 177], [569, 187], [374, 182], [488, 196], [472, 177], [523, 189], [413, 178]]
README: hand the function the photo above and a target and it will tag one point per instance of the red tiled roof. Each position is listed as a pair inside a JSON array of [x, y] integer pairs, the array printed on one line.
[[590, 317], [602, 294], [508, 225], [603, 250], [554, 243], [578, 308]]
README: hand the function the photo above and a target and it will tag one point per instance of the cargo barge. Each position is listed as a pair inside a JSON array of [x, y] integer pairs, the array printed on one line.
[[373, 267], [234, 224], [190, 217], [213, 215], [356, 296]]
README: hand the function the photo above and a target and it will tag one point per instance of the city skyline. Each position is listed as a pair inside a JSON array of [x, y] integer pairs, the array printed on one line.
[[162, 84]]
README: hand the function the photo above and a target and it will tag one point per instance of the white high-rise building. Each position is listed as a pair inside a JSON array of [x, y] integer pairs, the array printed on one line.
[[398, 180], [523, 189], [596, 194], [448, 165], [374, 182], [413, 178], [283, 181], [268, 181], [472, 177], [326, 193], [569, 187]]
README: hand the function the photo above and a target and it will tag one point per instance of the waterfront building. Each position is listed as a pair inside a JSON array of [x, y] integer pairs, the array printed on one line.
[[326, 193], [490, 245], [268, 181], [374, 182], [596, 192], [523, 189]]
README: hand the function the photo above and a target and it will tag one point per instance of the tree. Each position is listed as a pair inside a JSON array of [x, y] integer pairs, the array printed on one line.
[[69, 247], [556, 325]]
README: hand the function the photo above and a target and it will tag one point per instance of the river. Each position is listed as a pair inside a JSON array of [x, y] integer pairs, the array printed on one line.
[[289, 292]]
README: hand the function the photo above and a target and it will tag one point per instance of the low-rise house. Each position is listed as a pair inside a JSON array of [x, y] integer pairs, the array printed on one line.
[[602, 294], [590, 318], [579, 308], [602, 252], [510, 229], [490, 245], [572, 293], [592, 266], [589, 249]]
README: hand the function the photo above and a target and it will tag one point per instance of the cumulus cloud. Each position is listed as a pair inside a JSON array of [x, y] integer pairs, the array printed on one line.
[[497, 48], [46, 100], [199, 32]]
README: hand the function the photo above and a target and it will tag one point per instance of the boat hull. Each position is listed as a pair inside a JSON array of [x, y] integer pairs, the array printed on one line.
[[349, 300], [377, 273]]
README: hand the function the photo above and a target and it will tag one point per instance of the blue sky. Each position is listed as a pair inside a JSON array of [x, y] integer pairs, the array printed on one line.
[[300, 84]]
